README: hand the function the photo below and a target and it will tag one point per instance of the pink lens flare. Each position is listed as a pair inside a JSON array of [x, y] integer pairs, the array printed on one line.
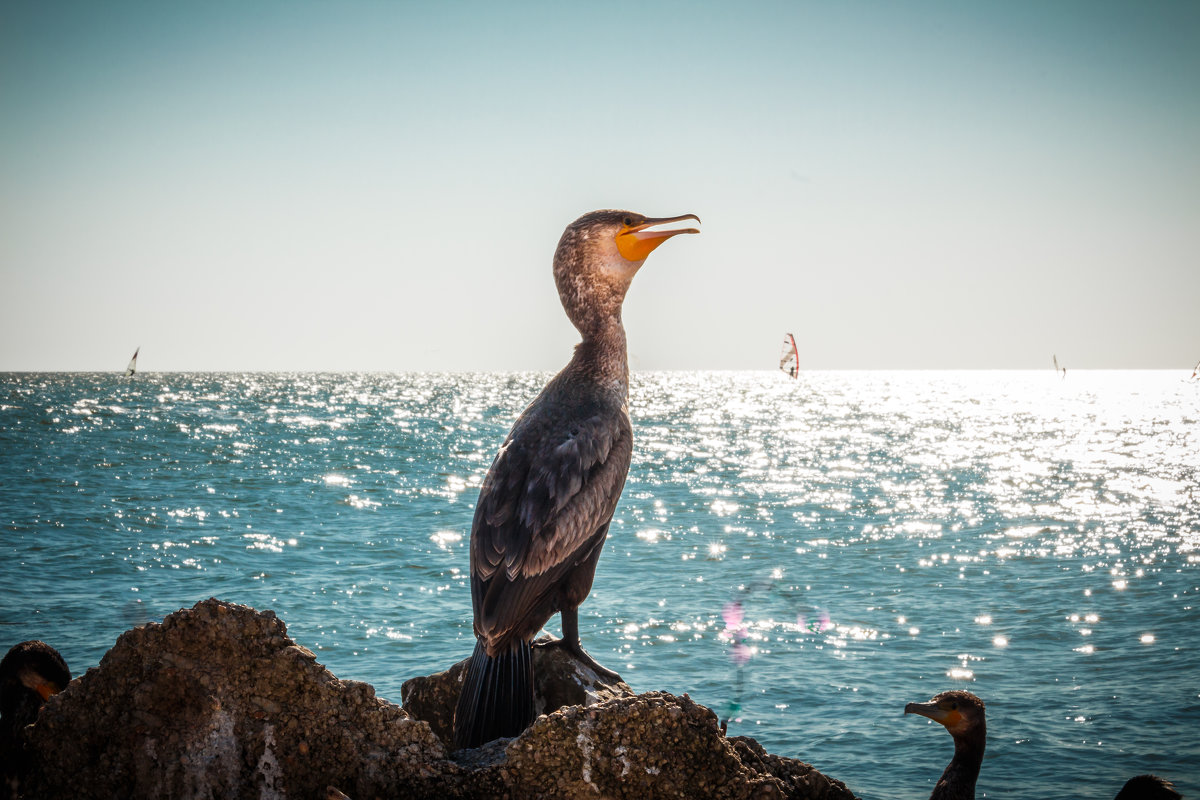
[[820, 624]]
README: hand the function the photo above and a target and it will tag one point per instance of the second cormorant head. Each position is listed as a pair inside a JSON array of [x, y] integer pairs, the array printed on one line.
[[962, 713], [597, 257]]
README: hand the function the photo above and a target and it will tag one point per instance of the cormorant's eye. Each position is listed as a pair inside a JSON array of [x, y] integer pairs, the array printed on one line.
[[954, 706], [629, 222]]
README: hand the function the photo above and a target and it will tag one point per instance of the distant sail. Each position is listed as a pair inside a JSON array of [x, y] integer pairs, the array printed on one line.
[[1196, 369], [789, 357], [132, 368], [1057, 368]]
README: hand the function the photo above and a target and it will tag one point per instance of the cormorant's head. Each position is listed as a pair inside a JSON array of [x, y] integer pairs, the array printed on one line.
[[29, 674], [961, 712], [599, 254], [1148, 787]]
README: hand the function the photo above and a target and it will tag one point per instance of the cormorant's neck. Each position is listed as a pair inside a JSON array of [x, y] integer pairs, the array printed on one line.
[[602, 354], [958, 781]]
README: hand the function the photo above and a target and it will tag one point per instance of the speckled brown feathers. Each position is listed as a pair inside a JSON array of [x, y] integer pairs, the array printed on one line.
[[591, 276], [544, 509]]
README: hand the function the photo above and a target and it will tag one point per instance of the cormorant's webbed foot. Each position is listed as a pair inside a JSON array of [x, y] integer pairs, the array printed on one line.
[[604, 672], [570, 641], [576, 649]]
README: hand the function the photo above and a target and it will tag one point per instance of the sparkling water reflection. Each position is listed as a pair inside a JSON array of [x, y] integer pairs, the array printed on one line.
[[884, 536]]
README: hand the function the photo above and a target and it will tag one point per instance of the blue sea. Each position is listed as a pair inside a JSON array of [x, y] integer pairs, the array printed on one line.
[[803, 556]]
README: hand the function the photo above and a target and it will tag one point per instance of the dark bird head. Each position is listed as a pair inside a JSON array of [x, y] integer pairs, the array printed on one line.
[[961, 712], [597, 257], [1148, 787], [29, 674]]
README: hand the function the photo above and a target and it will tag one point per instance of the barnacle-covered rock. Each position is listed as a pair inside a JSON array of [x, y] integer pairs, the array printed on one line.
[[218, 702], [652, 745]]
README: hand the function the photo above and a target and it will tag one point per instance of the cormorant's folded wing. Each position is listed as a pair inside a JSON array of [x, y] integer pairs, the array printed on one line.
[[541, 506]]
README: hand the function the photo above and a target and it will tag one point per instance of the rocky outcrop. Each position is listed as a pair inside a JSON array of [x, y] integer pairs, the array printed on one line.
[[652, 745], [218, 702]]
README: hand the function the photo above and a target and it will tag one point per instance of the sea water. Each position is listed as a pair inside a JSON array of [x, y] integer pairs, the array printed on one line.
[[802, 556]]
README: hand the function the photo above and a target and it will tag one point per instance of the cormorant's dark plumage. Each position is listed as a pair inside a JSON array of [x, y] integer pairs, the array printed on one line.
[[1148, 787], [545, 505], [29, 673]]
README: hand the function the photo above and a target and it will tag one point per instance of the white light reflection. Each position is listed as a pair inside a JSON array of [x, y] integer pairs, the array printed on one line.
[[444, 539]]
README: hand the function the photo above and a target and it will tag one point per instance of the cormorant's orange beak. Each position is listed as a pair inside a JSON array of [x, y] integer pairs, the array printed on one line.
[[947, 717], [636, 242]]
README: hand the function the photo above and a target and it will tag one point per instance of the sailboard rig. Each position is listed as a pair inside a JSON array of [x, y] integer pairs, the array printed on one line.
[[132, 368], [1196, 369], [789, 357], [1057, 368]]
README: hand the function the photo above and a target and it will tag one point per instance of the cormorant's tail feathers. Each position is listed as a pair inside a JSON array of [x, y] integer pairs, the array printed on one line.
[[497, 695]]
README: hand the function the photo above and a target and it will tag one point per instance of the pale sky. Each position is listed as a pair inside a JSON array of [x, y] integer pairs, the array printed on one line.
[[380, 185]]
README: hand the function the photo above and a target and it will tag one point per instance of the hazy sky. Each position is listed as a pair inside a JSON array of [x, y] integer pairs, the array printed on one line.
[[380, 185]]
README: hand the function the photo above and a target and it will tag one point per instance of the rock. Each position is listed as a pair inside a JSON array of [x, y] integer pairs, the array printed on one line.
[[559, 680], [652, 745], [218, 702]]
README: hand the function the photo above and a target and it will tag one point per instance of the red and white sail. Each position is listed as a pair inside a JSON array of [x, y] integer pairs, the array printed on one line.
[[789, 357]]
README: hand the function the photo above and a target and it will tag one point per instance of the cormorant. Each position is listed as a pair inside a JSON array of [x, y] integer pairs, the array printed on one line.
[[29, 673], [1148, 787], [963, 715], [546, 502]]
